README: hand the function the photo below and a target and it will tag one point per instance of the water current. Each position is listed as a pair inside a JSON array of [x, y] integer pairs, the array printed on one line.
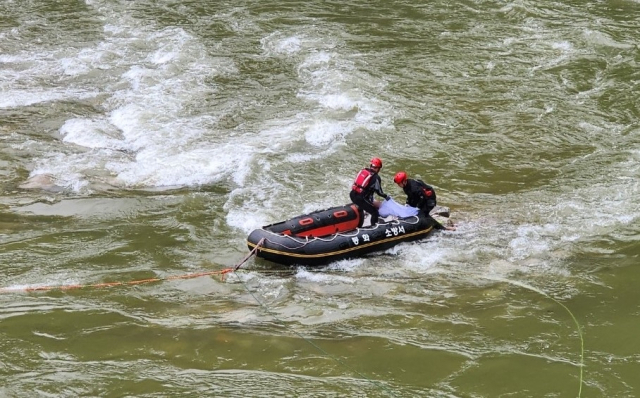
[[143, 140]]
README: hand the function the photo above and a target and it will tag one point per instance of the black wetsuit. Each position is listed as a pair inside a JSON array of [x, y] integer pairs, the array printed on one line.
[[420, 195], [364, 199]]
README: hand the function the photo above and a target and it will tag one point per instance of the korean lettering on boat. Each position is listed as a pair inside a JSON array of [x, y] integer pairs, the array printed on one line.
[[389, 232], [394, 231], [356, 239]]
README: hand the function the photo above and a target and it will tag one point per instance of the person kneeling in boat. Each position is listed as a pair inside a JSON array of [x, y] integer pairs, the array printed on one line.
[[366, 184], [419, 195]]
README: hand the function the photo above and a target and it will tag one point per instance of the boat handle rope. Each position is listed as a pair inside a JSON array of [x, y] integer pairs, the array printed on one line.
[[251, 253]]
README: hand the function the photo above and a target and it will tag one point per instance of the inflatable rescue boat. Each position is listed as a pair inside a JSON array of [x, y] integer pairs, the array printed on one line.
[[337, 233]]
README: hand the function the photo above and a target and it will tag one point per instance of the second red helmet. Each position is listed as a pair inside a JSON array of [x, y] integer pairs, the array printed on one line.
[[400, 177], [376, 162]]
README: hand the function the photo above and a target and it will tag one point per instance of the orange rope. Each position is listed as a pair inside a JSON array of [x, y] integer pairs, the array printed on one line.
[[133, 283], [112, 284]]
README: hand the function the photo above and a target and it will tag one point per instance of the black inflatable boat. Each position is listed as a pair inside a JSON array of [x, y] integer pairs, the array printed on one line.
[[329, 235]]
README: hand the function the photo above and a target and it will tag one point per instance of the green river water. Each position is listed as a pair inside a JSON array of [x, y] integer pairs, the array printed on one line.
[[144, 140]]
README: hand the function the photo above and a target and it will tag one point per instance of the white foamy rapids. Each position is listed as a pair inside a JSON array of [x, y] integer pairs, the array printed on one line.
[[140, 161], [342, 94], [18, 98], [23, 73], [318, 277], [258, 204], [150, 136]]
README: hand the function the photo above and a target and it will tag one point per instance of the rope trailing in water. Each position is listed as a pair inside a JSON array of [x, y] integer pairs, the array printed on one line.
[[533, 289], [266, 308], [133, 283]]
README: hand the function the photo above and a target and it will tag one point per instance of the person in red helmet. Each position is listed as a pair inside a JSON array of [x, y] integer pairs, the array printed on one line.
[[419, 194], [367, 183]]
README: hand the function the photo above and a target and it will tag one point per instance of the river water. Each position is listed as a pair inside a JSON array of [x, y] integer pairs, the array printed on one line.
[[145, 139]]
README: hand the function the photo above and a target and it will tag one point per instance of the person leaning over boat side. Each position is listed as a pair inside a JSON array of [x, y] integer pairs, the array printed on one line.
[[419, 195], [367, 183]]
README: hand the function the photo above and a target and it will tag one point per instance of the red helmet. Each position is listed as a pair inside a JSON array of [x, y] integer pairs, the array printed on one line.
[[400, 177], [376, 162]]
